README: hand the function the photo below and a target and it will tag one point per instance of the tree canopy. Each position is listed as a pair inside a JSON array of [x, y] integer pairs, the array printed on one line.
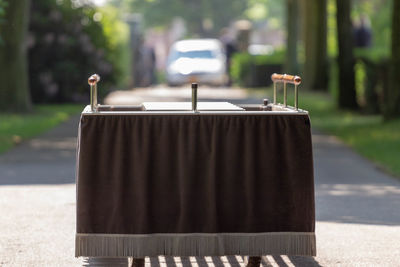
[[199, 15], [77, 41]]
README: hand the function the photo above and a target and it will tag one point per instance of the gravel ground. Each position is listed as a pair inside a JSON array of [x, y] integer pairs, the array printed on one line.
[[357, 207]]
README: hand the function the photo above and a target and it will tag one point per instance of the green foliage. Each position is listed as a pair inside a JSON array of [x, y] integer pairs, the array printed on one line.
[[378, 11], [333, 84], [15, 127], [253, 70], [117, 35], [371, 77], [273, 10], [3, 5], [257, 10], [371, 62], [68, 44], [332, 43], [240, 67], [160, 13], [375, 54], [360, 79]]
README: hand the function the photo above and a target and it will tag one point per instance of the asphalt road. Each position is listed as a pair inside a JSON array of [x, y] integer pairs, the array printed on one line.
[[357, 205]]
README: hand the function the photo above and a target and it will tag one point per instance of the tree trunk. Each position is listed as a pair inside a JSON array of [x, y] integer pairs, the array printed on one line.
[[392, 98], [347, 91], [14, 87], [315, 70], [292, 20]]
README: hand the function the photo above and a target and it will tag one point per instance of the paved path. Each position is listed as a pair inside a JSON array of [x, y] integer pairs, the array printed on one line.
[[37, 200], [358, 207]]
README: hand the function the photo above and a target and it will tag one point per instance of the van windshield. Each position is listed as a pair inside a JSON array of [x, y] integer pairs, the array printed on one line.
[[193, 54]]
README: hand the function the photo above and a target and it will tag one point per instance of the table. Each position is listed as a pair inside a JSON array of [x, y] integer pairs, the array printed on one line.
[[185, 183]]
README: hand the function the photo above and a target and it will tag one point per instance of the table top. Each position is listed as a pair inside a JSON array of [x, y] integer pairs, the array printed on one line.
[[181, 108]]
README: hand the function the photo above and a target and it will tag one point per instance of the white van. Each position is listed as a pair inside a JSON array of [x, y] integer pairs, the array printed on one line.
[[197, 60]]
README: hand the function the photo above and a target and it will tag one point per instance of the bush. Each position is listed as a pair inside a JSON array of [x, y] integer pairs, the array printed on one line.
[[256, 70], [68, 43], [118, 51]]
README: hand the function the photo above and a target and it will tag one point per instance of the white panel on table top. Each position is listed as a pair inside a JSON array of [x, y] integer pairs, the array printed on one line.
[[158, 106]]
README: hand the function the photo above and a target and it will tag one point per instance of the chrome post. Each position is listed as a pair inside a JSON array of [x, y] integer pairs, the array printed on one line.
[[194, 96], [284, 91], [284, 94], [93, 80], [285, 79]]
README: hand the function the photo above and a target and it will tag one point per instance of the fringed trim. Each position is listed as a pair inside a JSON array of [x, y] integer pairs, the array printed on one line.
[[256, 244]]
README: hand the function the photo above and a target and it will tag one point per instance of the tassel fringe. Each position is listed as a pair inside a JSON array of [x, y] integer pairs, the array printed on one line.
[[151, 245]]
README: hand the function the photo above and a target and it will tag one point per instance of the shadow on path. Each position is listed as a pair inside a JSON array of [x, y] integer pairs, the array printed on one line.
[[47, 159], [349, 189], [232, 261]]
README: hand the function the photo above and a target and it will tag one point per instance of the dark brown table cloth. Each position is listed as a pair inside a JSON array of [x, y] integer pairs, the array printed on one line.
[[194, 185]]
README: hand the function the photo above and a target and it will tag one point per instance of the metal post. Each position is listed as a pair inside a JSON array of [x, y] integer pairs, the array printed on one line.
[[274, 93], [296, 97], [284, 94], [194, 96], [93, 97], [93, 80]]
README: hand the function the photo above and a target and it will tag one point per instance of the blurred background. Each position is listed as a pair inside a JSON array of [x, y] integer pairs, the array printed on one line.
[[347, 52]]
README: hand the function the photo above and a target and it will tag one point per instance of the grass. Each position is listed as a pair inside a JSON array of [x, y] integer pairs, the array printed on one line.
[[369, 135], [15, 127]]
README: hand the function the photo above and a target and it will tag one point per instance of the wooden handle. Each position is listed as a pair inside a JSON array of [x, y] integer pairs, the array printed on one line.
[[94, 79], [286, 78]]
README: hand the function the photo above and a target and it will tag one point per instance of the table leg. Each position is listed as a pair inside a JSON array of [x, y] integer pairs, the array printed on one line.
[[98, 261], [254, 261], [137, 262]]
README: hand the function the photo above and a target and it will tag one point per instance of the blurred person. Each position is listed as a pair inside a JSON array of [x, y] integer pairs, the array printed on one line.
[[362, 32], [148, 64], [145, 60], [229, 42], [144, 64]]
